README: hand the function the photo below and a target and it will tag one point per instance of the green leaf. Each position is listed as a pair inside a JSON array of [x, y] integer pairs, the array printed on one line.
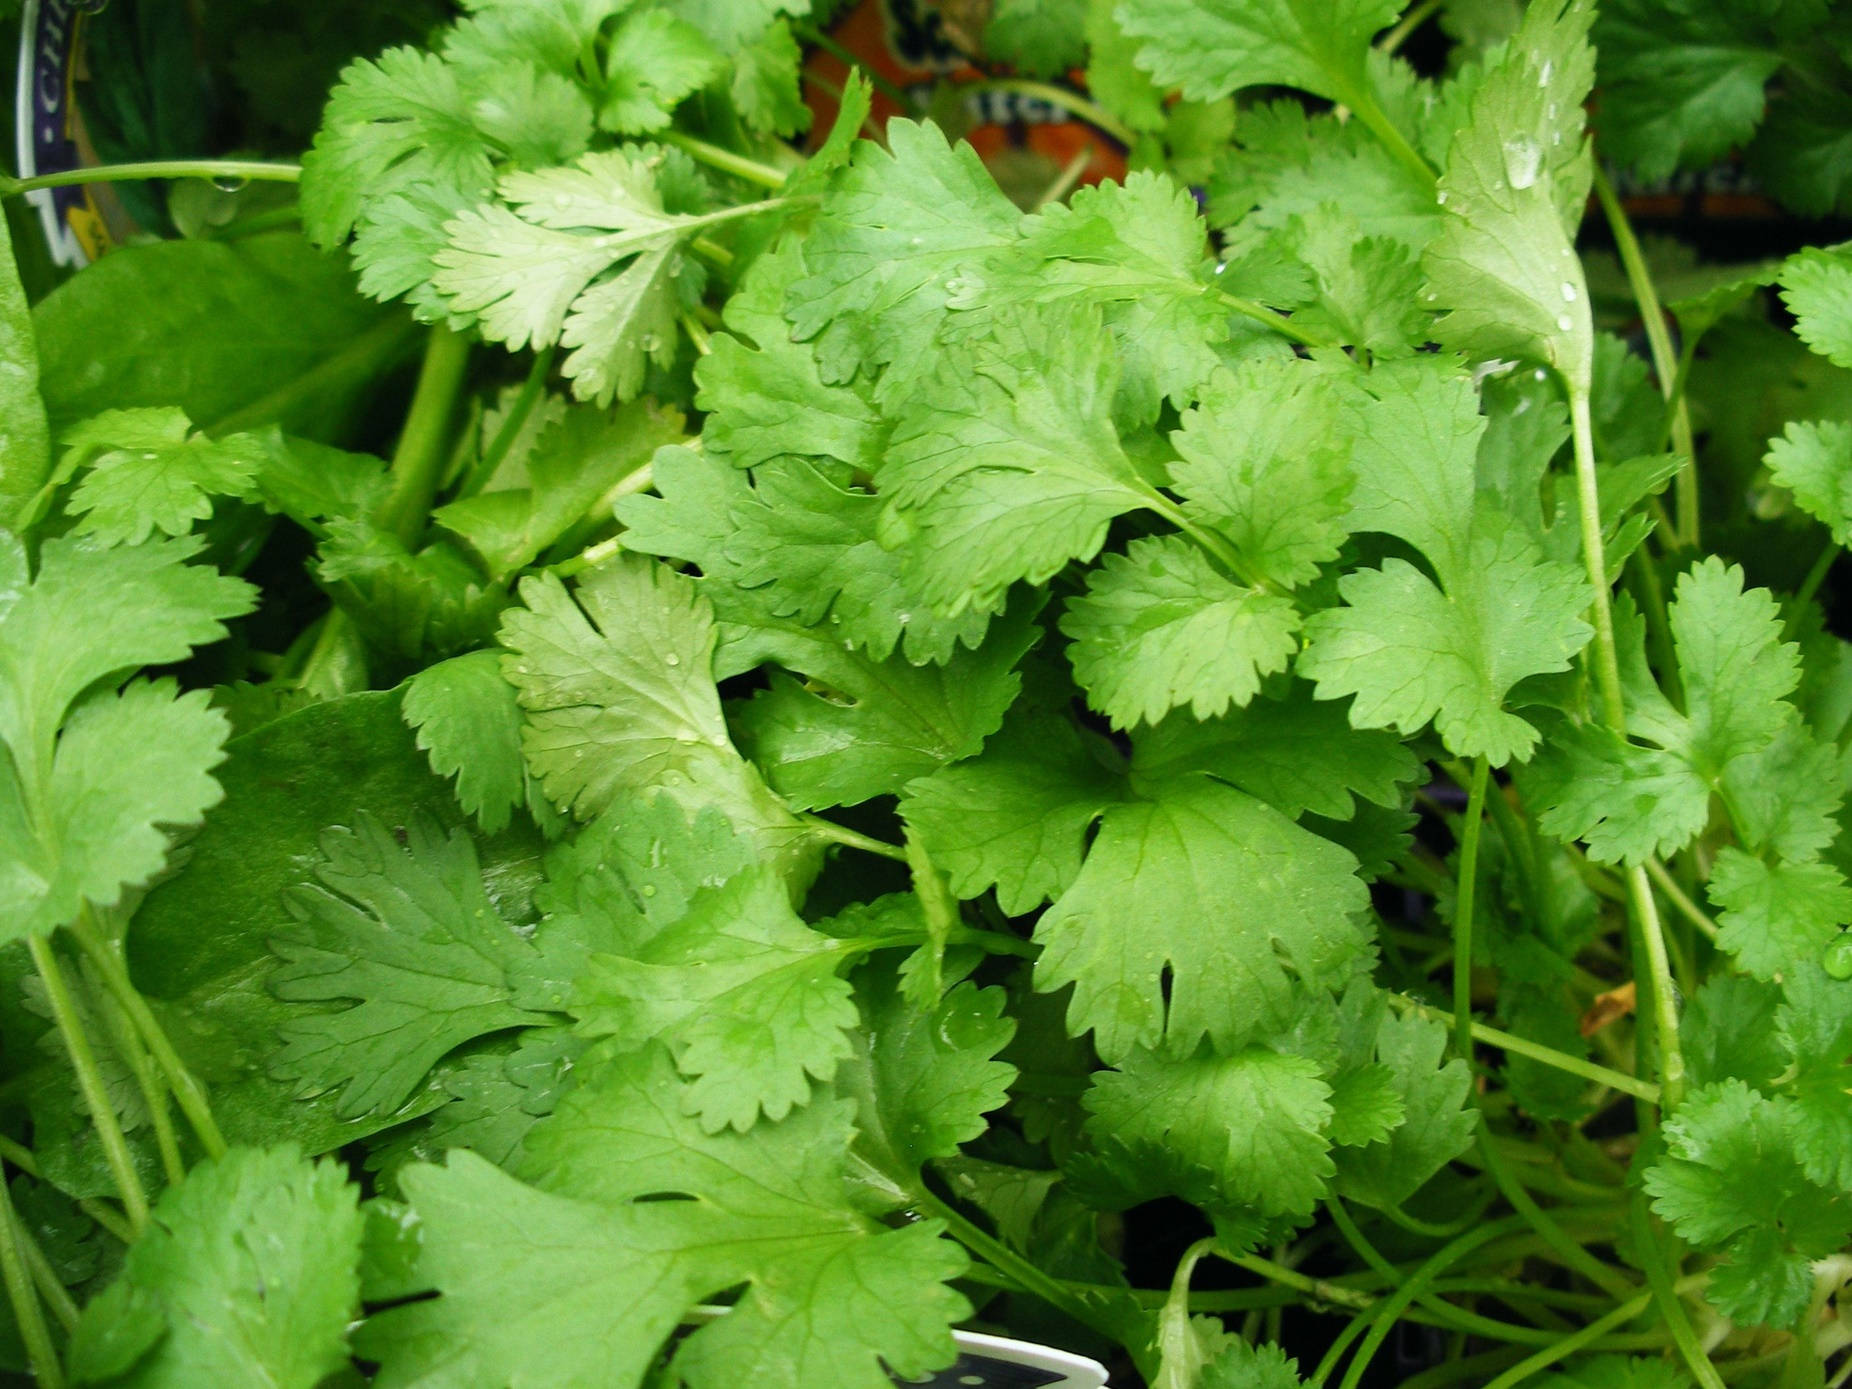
[[653, 60], [1439, 1121], [1210, 48], [1517, 175], [1159, 627], [1800, 153], [1619, 1372], [1242, 1366], [617, 683], [766, 88], [1816, 285], [411, 937], [1729, 1181], [148, 471], [1265, 460], [741, 991], [853, 727], [1813, 459], [25, 451], [887, 247], [247, 1274], [1004, 465], [1775, 916], [469, 722], [585, 1279], [1133, 917], [1043, 38], [1225, 1132]]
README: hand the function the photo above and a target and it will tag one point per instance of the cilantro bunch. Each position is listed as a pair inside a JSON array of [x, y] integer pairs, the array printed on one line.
[[635, 758]]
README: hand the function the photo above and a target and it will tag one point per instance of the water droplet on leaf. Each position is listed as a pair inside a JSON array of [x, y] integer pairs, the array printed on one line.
[[1523, 161], [1837, 960]]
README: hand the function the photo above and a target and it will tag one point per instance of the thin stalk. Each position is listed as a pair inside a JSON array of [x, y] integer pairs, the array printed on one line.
[[1339, 1344], [712, 155], [45, 1278], [1536, 1051], [1441, 1230], [1680, 899], [1406, 25], [1065, 181], [1468, 1368], [1643, 908], [188, 1092], [1073, 103], [602, 512], [1665, 1294], [1314, 1289], [154, 1096], [28, 1313], [841, 834], [1809, 587], [1572, 1254], [1463, 911], [1281, 324], [1665, 359], [418, 459], [510, 428], [1207, 540], [1363, 103], [1571, 1343], [697, 334], [90, 1082], [261, 171]]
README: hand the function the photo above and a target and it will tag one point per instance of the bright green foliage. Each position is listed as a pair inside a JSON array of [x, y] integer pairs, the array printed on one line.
[[1813, 459], [1159, 628], [743, 993], [469, 721], [1504, 266], [1776, 916], [1500, 613], [1435, 1124], [248, 1274], [1041, 37], [411, 937], [25, 449], [1212, 47], [147, 472], [1816, 286], [583, 1279], [1629, 800], [1730, 1180]]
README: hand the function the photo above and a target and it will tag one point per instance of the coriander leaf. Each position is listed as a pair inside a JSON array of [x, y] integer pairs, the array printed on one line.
[[1729, 1031], [248, 1273], [743, 993], [469, 722], [128, 769], [1367, 287], [1729, 1181], [617, 682], [766, 88], [1800, 154], [730, 22], [1815, 1025], [1297, 754], [1625, 801], [411, 937], [1017, 816], [1113, 77], [1239, 1131], [1159, 627], [1775, 915], [533, 268], [1265, 460], [1517, 176], [652, 61], [1816, 285], [148, 471], [1439, 1121], [854, 727], [888, 245], [1136, 250], [1043, 38], [1004, 465], [575, 466], [1210, 48], [923, 1079], [311, 483], [1133, 916], [830, 1296], [25, 453], [1813, 459], [645, 857], [1243, 1366], [1410, 651], [805, 542], [1681, 87], [408, 603]]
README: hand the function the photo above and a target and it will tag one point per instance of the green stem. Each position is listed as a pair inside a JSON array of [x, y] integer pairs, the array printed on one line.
[[1317, 1290], [1363, 103], [259, 170], [1680, 899], [1406, 25], [1207, 540], [419, 458], [602, 512], [153, 1094], [45, 1279], [1571, 1343], [1281, 324], [1642, 906], [1536, 1051], [188, 1092], [1665, 1293], [510, 428], [90, 1082], [715, 157], [1809, 587], [1665, 359], [28, 1313], [1073, 103], [1572, 1254], [841, 834], [1463, 911], [1441, 1230]]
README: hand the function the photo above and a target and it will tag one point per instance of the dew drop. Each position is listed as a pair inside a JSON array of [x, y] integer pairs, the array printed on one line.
[[1541, 374], [147, 458], [1837, 961], [1564, 323], [671, 659], [903, 618], [1523, 160], [1568, 292], [649, 342], [1545, 73], [229, 183], [1441, 197]]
